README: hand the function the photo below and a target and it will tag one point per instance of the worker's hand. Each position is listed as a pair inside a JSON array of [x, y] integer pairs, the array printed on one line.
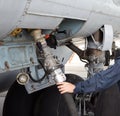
[[65, 87]]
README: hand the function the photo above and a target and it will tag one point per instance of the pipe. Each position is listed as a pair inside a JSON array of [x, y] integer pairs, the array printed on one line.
[[53, 68], [70, 104]]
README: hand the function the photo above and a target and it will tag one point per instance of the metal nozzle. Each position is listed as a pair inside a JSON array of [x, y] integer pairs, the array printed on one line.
[[38, 36], [22, 78]]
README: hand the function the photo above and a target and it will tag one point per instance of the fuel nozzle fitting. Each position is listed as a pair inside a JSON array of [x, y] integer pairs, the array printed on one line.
[[51, 65]]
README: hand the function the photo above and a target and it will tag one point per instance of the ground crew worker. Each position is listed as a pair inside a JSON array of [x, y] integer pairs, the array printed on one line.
[[101, 80]]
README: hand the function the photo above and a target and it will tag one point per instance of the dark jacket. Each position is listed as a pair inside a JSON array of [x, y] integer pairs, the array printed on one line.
[[101, 80]]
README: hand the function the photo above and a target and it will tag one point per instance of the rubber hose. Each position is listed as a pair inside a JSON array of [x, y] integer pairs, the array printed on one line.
[[70, 104]]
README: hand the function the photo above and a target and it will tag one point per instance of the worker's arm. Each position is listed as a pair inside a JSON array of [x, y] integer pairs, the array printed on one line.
[[101, 80]]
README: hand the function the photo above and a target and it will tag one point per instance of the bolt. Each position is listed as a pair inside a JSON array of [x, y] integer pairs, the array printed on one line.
[[31, 60], [6, 65]]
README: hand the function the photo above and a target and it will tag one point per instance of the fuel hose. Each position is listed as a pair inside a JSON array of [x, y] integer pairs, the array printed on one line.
[[70, 104]]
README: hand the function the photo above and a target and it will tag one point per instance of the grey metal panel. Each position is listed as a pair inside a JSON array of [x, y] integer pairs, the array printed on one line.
[[91, 27], [68, 9], [47, 14], [62, 54], [10, 14], [107, 8], [42, 22], [17, 56], [117, 2]]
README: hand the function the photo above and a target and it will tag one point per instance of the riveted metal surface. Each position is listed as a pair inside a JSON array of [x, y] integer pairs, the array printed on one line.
[[17, 56], [65, 9], [11, 12]]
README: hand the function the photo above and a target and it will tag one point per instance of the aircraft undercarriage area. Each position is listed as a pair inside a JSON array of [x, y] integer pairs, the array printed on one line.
[[40, 65], [37, 39]]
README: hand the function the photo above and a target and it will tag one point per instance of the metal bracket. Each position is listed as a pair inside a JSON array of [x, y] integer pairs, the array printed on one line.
[[36, 86], [107, 37], [15, 56]]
